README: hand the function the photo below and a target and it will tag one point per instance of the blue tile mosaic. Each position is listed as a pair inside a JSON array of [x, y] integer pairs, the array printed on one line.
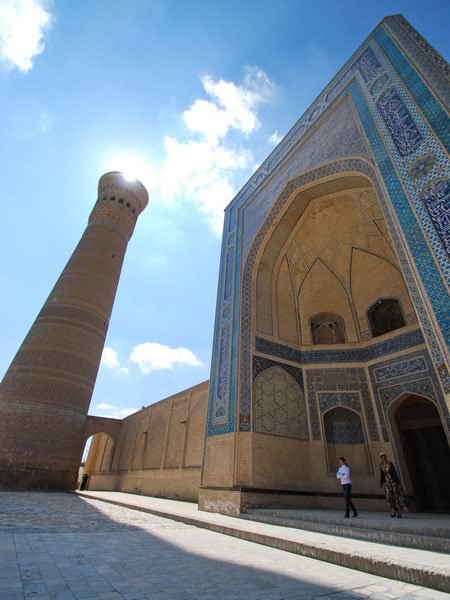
[[398, 120], [260, 363], [400, 368], [433, 111], [329, 400], [368, 65], [279, 406], [432, 66], [413, 374], [426, 267], [437, 201], [343, 383], [228, 274], [419, 169], [220, 424], [422, 166], [343, 426], [347, 355]]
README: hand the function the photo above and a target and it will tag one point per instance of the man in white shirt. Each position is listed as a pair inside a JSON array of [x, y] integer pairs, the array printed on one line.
[[343, 475]]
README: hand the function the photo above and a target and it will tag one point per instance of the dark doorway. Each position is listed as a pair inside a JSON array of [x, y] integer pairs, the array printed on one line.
[[427, 453]]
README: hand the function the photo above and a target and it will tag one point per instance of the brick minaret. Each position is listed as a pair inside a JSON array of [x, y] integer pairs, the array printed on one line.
[[46, 392]]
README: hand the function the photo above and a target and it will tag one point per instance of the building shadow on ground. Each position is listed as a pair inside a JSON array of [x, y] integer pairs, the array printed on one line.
[[69, 547]]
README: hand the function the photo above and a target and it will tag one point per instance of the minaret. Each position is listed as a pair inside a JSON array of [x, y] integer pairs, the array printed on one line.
[[46, 392]]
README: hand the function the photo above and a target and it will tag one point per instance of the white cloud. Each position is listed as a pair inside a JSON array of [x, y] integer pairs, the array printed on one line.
[[113, 412], [151, 356], [201, 171], [104, 406], [232, 106], [275, 138], [23, 24], [202, 168], [110, 359]]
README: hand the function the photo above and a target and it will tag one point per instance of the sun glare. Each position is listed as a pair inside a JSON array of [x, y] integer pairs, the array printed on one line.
[[133, 167]]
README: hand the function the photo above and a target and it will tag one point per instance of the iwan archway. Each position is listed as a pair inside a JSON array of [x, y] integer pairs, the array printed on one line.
[[331, 317], [323, 265]]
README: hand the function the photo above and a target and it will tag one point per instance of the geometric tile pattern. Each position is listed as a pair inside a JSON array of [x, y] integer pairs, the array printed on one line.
[[345, 387], [343, 426], [279, 402], [261, 363], [329, 400]]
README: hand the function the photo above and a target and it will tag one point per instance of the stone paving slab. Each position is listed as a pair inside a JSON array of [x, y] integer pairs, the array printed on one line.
[[67, 547], [418, 567]]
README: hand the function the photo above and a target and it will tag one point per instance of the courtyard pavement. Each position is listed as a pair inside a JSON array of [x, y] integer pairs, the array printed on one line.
[[61, 546]]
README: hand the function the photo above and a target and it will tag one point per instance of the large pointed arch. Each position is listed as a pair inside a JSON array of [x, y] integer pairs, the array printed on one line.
[[302, 189]]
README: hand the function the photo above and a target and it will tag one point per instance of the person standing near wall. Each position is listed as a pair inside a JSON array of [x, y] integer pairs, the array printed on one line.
[[390, 482], [343, 475]]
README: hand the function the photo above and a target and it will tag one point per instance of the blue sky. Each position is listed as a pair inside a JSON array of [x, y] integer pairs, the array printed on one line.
[[192, 96]]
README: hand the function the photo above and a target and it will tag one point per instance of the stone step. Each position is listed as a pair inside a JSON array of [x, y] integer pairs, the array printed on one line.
[[432, 533], [418, 567]]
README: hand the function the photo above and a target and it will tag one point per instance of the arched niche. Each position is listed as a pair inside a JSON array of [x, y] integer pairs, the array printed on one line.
[[279, 404], [384, 316], [322, 292], [327, 328], [372, 278], [344, 436]]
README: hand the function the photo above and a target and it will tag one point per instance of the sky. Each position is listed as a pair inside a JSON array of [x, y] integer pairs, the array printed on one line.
[[190, 97]]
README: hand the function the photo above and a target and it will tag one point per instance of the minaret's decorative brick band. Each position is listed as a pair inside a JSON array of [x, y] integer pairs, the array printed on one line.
[[46, 392]]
